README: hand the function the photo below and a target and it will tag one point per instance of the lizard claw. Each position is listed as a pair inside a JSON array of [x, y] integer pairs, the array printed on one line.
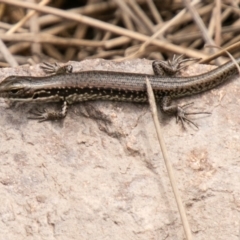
[[181, 115], [40, 114], [55, 68], [44, 115]]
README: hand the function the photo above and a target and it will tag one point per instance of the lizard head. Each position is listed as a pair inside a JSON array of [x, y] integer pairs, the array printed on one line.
[[15, 87]]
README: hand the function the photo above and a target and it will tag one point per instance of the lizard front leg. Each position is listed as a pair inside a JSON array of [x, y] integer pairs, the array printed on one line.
[[170, 67], [44, 115]]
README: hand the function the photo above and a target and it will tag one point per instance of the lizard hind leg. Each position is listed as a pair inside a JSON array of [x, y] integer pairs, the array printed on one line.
[[179, 111]]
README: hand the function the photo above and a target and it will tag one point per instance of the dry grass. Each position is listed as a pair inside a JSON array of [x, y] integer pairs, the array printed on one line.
[[116, 29]]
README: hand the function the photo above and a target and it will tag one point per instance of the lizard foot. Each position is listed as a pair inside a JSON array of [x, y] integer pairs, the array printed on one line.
[[55, 68], [182, 115], [44, 115]]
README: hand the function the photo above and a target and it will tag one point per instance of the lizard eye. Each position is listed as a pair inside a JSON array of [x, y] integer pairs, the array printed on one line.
[[35, 96], [14, 91]]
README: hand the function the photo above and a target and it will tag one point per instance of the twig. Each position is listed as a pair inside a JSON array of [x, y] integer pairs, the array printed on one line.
[[167, 162], [199, 22], [48, 38], [235, 46], [154, 12], [7, 55], [218, 23], [159, 33], [28, 16], [165, 46]]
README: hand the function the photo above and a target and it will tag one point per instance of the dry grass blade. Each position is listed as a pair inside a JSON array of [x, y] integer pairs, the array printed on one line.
[[168, 165], [26, 18]]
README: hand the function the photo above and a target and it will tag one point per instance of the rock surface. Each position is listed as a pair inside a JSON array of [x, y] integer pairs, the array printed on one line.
[[99, 174]]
